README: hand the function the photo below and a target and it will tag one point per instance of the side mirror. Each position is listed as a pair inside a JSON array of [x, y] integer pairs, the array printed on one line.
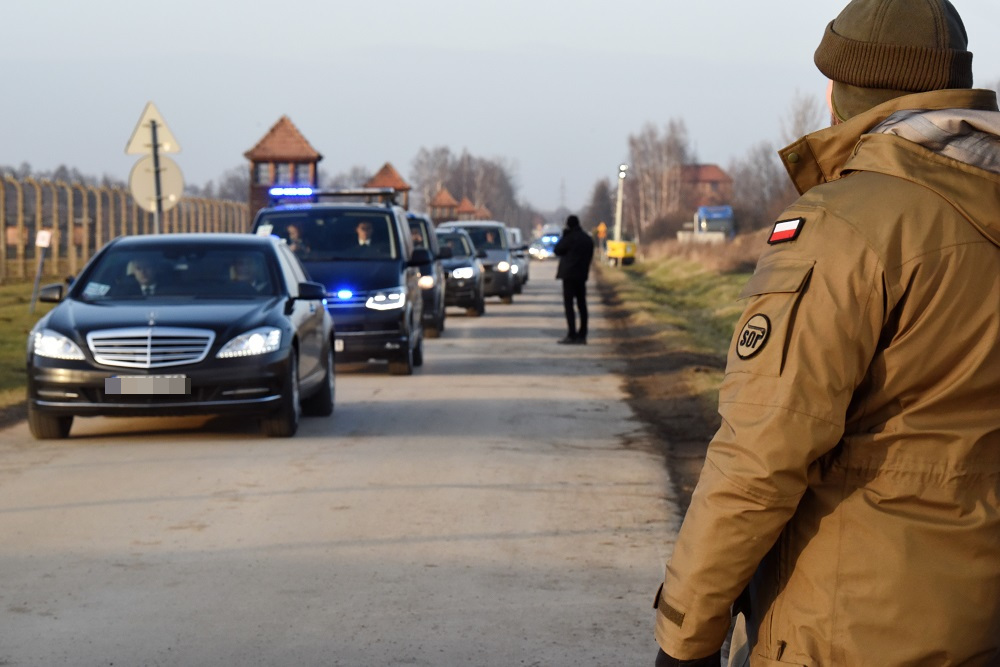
[[444, 252], [310, 291], [51, 293]]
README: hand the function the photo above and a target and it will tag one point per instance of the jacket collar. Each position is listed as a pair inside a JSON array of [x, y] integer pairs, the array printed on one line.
[[832, 153], [820, 157]]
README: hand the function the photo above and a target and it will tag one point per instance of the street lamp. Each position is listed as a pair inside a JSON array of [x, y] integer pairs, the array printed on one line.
[[622, 168]]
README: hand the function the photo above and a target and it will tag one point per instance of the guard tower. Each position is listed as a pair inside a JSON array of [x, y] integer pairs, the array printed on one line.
[[388, 177], [281, 157]]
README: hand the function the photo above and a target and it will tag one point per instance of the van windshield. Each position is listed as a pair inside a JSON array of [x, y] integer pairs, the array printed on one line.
[[322, 235]]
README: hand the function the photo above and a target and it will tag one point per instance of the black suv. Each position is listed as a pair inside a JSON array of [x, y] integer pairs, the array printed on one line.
[[357, 243], [491, 236], [463, 271], [432, 274]]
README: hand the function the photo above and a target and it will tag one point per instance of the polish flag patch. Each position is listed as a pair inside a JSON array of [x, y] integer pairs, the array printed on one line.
[[786, 230]]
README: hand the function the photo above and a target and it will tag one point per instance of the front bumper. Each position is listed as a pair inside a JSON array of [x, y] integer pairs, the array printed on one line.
[[462, 293], [496, 283], [217, 386], [363, 334]]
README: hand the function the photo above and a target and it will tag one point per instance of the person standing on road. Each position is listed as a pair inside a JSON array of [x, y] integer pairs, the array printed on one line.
[[575, 250], [852, 493]]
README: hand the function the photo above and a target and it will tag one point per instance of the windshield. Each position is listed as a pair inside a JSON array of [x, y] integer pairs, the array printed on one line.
[[184, 272], [323, 234], [490, 238], [417, 232], [459, 244]]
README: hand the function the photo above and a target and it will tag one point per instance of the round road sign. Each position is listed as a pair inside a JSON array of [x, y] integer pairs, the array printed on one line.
[[142, 183]]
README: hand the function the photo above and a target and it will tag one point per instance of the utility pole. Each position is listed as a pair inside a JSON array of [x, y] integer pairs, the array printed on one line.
[[622, 168]]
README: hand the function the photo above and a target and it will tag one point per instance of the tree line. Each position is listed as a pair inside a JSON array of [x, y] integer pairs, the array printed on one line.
[[653, 195]]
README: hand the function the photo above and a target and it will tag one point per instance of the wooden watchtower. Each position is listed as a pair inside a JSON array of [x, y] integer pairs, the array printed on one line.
[[281, 157]]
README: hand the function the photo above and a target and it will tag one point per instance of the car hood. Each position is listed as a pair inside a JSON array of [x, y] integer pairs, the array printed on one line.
[[494, 255], [78, 318], [356, 276]]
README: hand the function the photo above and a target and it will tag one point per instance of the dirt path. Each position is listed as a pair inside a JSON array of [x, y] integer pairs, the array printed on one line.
[[658, 391]]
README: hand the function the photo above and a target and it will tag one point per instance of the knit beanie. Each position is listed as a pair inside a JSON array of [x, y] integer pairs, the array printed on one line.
[[876, 50], [572, 221]]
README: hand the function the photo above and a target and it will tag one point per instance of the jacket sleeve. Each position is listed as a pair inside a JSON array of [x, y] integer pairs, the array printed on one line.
[[814, 310]]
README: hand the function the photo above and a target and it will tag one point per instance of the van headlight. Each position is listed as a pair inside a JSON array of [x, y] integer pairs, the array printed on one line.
[[54, 345], [251, 343], [388, 299], [463, 273], [503, 266], [426, 282]]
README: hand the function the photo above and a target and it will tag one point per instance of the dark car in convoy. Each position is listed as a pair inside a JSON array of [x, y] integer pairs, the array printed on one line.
[[357, 243], [183, 324], [463, 271], [432, 282], [492, 236]]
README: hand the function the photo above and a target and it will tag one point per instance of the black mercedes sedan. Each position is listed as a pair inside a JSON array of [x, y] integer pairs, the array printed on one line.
[[181, 324]]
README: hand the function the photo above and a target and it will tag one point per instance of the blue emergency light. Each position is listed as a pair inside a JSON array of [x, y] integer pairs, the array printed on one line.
[[290, 191]]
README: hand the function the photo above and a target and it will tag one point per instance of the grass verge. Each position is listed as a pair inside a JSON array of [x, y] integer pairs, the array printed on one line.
[[674, 318], [15, 323]]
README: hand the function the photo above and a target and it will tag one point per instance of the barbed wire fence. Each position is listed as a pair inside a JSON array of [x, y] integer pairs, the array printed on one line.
[[82, 218]]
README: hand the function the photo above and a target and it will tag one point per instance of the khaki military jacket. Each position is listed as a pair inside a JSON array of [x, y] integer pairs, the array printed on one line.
[[855, 481]]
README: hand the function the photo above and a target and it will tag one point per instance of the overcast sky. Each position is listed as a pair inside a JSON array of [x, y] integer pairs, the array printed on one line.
[[553, 87]]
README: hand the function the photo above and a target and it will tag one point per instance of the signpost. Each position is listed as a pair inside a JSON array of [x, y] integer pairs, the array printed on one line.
[[156, 182], [43, 238]]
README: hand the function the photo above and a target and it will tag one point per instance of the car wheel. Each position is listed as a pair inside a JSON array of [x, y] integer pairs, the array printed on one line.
[[321, 403], [284, 422], [403, 365], [418, 353], [48, 427]]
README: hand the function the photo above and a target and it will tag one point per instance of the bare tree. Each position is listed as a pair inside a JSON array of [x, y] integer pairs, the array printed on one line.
[[655, 184], [601, 207], [355, 177], [806, 114]]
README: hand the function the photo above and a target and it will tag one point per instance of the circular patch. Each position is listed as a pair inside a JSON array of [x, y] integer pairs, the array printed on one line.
[[753, 336]]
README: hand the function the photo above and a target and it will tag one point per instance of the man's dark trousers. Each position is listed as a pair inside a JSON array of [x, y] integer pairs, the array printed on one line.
[[575, 290]]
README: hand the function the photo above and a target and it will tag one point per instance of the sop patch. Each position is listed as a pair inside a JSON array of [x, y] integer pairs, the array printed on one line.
[[753, 336], [785, 230]]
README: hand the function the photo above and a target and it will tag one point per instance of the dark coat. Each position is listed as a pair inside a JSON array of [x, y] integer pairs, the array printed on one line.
[[575, 250]]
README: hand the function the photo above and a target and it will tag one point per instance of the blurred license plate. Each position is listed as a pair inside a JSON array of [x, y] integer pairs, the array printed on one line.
[[170, 385], [338, 344]]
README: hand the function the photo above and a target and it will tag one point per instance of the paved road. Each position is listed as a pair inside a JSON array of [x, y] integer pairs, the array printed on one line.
[[500, 507]]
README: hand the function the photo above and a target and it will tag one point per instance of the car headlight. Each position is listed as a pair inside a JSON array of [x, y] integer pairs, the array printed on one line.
[[513, 268], [387, 299], [426, 282], [256, 341], [463, 272], [54, 345], [503, 266]]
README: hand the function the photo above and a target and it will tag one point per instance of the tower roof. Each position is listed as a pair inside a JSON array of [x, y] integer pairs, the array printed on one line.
[[388, 177], [283, 142]]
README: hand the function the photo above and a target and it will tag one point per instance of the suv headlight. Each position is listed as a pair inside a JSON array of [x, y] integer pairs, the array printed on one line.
[[54, 345], [426, 282], [388, 299], [503, 266], [463, 272], [256, 341]]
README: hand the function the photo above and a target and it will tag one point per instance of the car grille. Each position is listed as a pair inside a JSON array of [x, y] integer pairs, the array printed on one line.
[[150, 347]]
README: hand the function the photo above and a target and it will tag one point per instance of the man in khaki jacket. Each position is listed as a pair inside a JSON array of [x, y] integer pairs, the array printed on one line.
[[849, 506]]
